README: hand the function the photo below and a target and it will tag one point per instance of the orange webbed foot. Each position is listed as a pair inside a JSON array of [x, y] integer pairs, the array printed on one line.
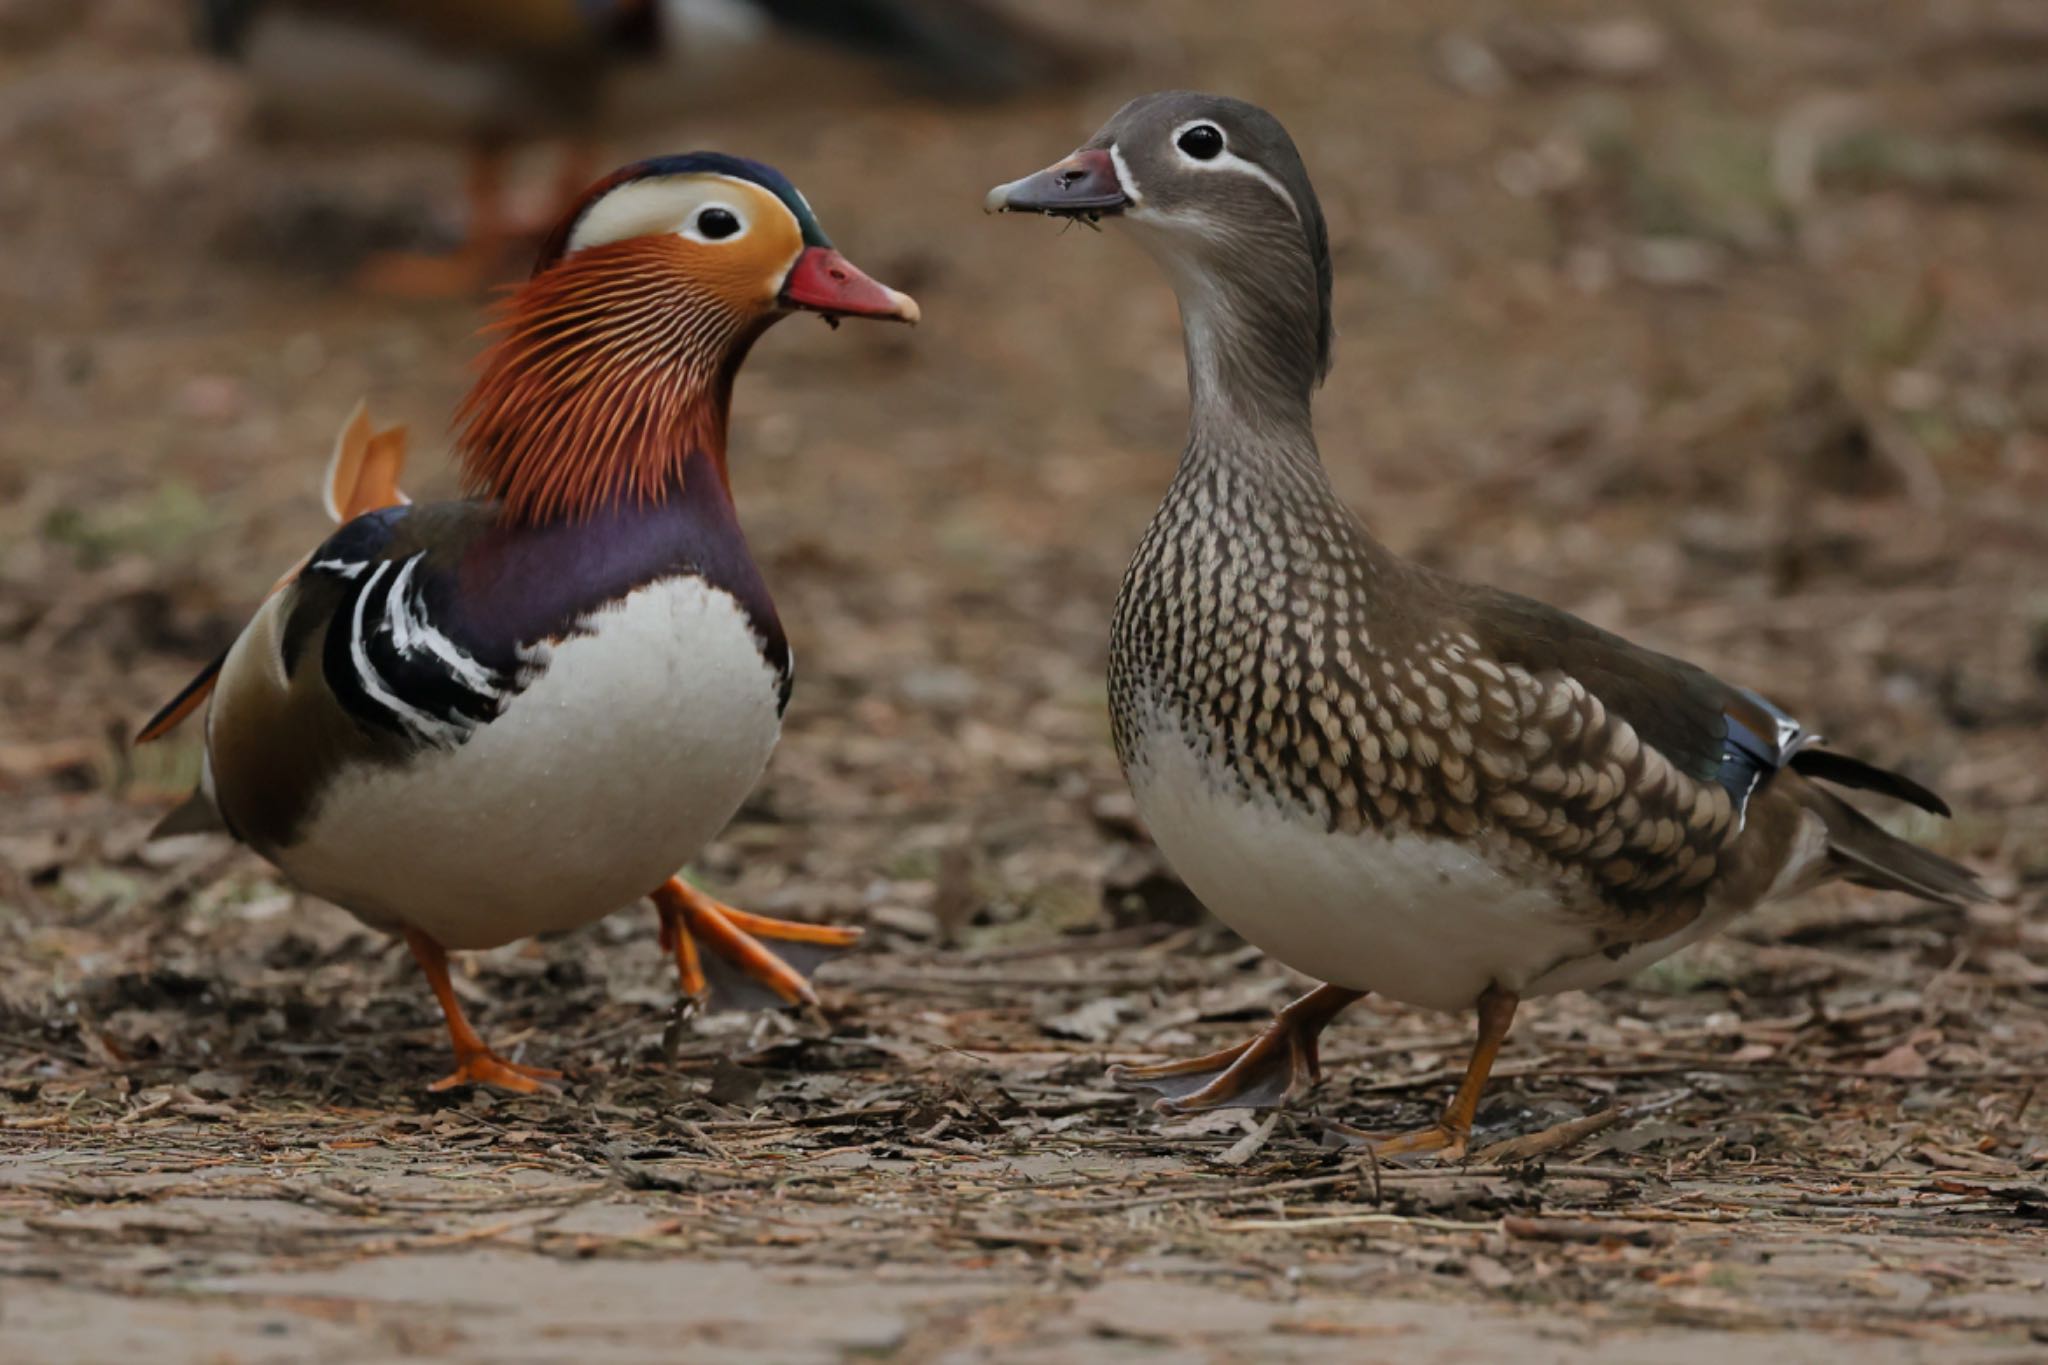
[[1448, 1135], [1276, 1066], [736, 938], [1255, 1074], [488, 1068], [1439, 1139], [475, 1063]]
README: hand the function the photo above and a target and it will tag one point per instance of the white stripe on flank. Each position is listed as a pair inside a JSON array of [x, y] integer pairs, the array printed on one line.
[[347, 568], [411, 632], [430, 728], [394, 600]]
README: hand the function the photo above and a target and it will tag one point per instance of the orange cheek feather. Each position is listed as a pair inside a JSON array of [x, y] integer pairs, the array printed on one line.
[[743, 276], [747, 274]]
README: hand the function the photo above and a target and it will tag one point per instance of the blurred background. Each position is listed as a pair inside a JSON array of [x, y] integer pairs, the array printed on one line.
[[1724, 326]]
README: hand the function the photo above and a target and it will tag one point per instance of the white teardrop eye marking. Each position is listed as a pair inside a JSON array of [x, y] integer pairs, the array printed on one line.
[[1203, 147], [715, 222]]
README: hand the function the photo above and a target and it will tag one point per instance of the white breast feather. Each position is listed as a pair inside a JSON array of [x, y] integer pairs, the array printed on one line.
[[628, 753], [1424, 920]]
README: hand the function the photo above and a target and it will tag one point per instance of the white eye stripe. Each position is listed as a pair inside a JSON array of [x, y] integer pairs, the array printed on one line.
[[664, 204], [1227, 160], [1127, 182]]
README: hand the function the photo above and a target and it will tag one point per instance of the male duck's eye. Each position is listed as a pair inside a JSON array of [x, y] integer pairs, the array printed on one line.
[[717, 224], [1202, 142]]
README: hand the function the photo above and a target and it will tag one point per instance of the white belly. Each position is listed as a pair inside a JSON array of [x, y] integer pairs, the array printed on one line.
[[599, 781], [1423, 920]]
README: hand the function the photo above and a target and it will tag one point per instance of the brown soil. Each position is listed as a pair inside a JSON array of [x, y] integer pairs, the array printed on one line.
[[1726, 328]]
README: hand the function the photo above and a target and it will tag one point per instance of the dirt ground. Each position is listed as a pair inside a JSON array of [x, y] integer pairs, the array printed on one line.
[[1724, 326]]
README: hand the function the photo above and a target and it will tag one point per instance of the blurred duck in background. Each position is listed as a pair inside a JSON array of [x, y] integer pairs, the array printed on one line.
[[500, 74]]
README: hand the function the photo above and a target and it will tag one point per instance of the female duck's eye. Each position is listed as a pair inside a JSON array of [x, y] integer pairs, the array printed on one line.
[[716, 224], [1202, 142]]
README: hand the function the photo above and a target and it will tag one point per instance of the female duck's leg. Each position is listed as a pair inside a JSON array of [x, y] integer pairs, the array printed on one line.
[[688, 915], [1267, 1070], [1449, 1134], [475, 1063]]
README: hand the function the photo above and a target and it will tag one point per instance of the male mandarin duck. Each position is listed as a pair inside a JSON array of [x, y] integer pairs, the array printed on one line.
[[501, 73], [471, 722], [1388, 779]]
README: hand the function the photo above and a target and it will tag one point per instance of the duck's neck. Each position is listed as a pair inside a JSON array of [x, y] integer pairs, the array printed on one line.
[[606, 377], [1253, 363]]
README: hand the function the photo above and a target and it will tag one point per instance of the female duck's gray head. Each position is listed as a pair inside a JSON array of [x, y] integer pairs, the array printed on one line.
[[1217, 194]]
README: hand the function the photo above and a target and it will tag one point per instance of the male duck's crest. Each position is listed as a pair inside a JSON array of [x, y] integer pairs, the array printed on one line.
[[614, 363]]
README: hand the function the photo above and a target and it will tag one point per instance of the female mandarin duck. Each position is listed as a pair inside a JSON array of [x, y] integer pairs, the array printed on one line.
[[1386, 778], [470, 722]]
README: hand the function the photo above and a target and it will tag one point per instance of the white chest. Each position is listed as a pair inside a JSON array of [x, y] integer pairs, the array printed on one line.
[[1423, 920], [629, 752]]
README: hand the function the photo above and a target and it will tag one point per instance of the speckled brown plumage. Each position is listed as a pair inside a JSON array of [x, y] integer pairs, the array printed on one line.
[[1325, 673]]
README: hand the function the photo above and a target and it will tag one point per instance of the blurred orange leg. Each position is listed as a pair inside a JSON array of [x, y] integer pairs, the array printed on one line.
[[475, 1063], [688, 914], [574, 170], [418, 275]]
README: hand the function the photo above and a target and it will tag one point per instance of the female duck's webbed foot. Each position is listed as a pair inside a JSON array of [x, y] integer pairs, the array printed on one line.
[[750, 974], [1270, 1069], [475, 1063], [1448, 1135], [1439, 1138]]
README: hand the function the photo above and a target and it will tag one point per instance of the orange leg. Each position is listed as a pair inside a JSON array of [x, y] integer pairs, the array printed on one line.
[[423, 276], [687, 915], [1270, 1069], [679, 942], [475, 1063], [1448, 1135]]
